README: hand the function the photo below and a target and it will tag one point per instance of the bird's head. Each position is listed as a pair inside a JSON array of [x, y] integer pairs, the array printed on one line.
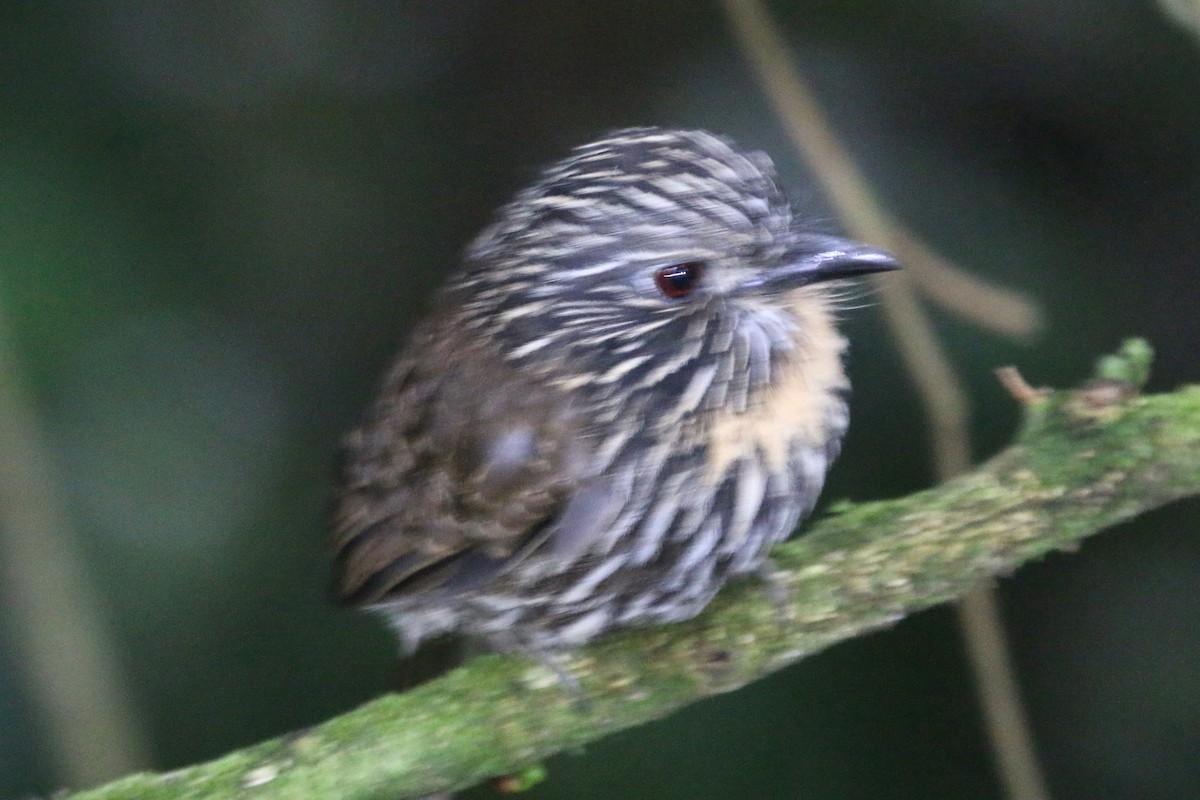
[[648, 255]]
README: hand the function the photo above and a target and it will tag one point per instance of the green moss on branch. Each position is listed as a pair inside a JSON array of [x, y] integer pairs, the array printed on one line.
[[1084, 461]]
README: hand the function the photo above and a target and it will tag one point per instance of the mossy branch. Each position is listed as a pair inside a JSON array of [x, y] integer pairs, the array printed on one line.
[[1085, 460]]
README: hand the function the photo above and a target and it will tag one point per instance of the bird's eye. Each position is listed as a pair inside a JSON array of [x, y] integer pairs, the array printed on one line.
[[678, 280]]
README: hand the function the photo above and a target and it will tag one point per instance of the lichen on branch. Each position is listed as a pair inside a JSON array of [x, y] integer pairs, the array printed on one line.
[[1083, 461]]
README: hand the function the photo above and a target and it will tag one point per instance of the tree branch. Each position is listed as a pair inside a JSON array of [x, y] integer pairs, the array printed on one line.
[[1085, 460]]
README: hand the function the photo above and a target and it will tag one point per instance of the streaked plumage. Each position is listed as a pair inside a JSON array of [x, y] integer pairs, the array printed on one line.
[[629, 392]]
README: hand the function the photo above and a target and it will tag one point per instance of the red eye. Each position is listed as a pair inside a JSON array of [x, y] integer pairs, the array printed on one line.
[[678, 280]]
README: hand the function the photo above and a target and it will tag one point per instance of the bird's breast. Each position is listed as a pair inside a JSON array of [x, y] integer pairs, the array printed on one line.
[[801, 406]]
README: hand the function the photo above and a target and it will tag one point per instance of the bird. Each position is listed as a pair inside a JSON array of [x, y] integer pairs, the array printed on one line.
[[628, 391]]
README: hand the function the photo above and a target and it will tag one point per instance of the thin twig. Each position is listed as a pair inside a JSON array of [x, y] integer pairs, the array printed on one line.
[[1184, 12], [991, 307], [92, 730], [942, 394], [988, 306], [1017, 387], [943, 397]]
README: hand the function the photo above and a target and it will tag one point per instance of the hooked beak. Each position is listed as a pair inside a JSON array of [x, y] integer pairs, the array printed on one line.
[[819, 258]]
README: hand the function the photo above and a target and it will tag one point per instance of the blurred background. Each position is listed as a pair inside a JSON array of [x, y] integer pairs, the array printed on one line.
[[217, 222]]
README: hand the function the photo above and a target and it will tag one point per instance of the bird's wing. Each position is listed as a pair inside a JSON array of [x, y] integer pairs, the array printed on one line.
[[461, 461]]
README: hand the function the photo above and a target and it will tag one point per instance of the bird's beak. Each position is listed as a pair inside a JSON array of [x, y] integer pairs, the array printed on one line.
[[818, 258]]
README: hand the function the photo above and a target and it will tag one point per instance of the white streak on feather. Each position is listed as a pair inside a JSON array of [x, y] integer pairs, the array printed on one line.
[[531, 346], [748, 498], [600, 569], [691, 396], [652, 530], [622, 368], [700, 545]]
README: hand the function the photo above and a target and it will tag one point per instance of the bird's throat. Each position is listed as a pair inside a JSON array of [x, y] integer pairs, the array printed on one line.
[[797, 408]]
